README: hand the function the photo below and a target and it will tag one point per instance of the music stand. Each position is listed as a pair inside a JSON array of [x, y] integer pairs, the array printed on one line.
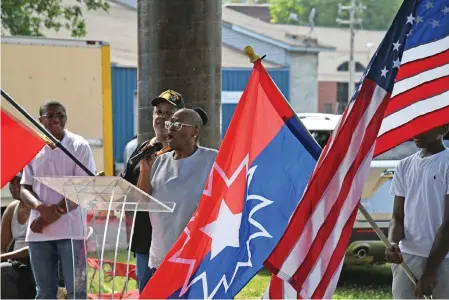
[[104, 193]]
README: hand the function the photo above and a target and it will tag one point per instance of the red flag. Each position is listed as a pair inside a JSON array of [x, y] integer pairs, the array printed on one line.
[[19, 145]]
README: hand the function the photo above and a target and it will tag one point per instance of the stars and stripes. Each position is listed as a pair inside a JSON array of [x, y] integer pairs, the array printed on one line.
[[310, 254], [420, 98]]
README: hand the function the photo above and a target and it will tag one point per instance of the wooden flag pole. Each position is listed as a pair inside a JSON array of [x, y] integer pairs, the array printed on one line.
[[253, 57]]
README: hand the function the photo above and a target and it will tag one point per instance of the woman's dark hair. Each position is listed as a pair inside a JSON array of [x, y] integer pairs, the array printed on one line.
[[203, 115]]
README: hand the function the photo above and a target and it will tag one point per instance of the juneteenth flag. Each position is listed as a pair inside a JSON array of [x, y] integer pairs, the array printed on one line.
[[19, 145], [259, 175]]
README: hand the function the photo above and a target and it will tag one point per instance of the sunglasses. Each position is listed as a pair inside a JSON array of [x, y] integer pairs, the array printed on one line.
[[176, 125]]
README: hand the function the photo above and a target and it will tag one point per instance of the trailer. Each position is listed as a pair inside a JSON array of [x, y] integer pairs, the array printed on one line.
[[75, 72]]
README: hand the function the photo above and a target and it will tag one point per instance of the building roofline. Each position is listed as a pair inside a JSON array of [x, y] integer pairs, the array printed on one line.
[[33, 40], [268, 40]]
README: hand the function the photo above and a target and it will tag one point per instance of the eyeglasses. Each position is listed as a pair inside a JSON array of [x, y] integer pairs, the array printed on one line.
[[55, 116], [176, 125]]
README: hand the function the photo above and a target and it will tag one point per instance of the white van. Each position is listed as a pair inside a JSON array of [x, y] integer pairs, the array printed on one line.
[[365, 246]]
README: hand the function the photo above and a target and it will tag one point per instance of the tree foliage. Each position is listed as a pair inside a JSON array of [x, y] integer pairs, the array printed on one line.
[[245, 1], [29, 17], [378, 14]]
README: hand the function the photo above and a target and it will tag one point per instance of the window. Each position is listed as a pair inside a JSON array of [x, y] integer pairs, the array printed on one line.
[[342, 95], [344, 67], [328, 108], [342, 92]]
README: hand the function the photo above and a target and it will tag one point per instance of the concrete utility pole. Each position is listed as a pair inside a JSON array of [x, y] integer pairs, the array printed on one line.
[[351, 67], [179, 48]]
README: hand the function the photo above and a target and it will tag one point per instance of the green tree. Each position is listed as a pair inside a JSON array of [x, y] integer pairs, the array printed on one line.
[[28, 17], [245, 1], [378, 13]]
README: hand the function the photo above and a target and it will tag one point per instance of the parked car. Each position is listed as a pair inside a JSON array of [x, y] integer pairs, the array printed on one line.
[[365, 246]]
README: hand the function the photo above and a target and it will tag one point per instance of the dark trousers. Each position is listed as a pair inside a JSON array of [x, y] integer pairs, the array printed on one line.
[[17, 281]]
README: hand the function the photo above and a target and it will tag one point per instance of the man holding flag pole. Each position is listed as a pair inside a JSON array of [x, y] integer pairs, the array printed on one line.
[[54, 236], [57, 233]]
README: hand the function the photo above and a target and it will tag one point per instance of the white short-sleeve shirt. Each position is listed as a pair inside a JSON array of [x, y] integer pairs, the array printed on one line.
[[54, 162], [424, 183]]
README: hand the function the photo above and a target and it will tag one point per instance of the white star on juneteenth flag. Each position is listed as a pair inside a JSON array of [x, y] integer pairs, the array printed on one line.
[[224, 231]]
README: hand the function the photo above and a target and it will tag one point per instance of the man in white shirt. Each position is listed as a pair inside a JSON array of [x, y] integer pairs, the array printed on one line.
[[53, 231], [419, 230]]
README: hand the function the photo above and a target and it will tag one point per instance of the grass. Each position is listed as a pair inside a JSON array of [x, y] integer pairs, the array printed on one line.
[[356, 282], [365, 282]]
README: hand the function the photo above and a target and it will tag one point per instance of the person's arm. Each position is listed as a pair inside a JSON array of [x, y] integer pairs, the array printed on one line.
[[396, 228], [48, 214], [5, 231], [440, 246], [145, 175], [16, 254], [29, 198], [144, 181], [6, 236]]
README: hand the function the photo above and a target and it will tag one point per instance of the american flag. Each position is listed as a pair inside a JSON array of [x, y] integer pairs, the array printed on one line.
[[419, 101], [308, 259]]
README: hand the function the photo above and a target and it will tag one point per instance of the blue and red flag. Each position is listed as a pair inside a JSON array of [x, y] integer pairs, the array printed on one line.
[[256, 182]]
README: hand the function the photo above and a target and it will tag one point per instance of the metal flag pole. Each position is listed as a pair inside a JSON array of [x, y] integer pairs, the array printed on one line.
[[45, 131], [253, 58]]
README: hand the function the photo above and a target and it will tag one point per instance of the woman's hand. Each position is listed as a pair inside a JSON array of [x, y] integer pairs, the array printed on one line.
[[146, 164]]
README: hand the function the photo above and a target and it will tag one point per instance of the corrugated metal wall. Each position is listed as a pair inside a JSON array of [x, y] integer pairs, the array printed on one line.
[[124, 83], [236, 80]]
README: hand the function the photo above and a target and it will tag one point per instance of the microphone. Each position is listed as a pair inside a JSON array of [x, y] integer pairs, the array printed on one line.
[[145, 153]]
